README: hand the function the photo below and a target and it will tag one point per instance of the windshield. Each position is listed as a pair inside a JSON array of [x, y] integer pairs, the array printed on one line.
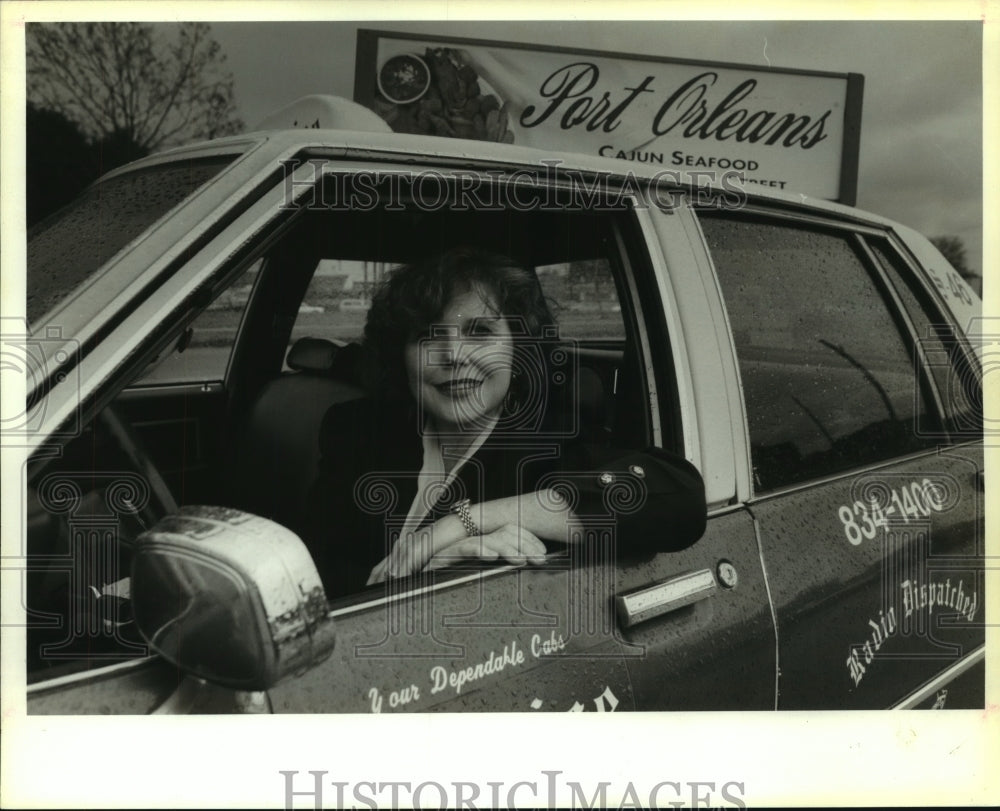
[[65, 249]]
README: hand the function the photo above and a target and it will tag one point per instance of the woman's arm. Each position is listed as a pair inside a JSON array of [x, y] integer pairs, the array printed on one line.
[[511, 528], [544, 513], [655, 499]]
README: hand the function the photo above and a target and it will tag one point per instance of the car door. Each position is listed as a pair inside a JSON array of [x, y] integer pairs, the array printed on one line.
[[866, 457]]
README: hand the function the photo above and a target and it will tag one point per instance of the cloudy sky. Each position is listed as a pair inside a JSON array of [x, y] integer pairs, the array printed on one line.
[[921, 142]]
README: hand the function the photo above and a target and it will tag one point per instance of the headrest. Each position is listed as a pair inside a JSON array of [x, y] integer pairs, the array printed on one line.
[[312, 355]]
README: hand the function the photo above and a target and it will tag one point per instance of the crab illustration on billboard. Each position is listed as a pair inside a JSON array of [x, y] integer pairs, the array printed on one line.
[[439, 92]]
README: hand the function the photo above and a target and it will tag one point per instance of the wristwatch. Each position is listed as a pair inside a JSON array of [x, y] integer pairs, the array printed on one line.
[[461, 509]]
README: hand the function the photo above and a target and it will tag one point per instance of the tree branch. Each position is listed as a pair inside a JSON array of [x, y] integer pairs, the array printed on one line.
[[125, 77]]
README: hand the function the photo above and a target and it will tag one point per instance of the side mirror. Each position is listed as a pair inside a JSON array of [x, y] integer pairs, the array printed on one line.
[[230, 597]]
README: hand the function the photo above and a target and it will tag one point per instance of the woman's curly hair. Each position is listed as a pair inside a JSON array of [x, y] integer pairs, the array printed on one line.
[[411, 298]]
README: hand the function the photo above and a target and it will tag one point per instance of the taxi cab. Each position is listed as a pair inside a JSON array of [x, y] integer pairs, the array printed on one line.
[[192, 317]]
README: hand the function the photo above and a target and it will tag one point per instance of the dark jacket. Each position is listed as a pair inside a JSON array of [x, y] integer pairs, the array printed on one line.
[[371, 455]]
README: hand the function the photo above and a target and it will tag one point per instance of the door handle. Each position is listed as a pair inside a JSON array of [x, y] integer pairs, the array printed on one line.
[[655, 601]]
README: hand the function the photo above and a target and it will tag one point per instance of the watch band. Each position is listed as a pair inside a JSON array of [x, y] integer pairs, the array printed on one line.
[[461, 509]]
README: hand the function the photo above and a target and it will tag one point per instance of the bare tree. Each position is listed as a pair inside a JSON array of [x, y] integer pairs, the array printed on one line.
[[131, 80], [954, 251]]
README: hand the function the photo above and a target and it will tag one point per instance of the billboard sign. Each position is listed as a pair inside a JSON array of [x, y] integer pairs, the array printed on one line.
[[789, 129]]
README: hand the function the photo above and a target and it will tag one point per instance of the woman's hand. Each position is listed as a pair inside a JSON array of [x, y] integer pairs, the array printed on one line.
[[511, 529], [417, 552], [408, 555], [512, 543]]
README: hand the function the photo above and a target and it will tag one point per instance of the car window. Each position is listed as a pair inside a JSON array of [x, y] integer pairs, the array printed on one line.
[[585, 297], [202, 356], [339, 256], [337, 300], [940, 347], [828, 378], [68, 247]]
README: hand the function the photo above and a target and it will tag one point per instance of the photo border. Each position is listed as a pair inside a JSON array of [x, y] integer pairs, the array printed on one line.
[[786, 758]]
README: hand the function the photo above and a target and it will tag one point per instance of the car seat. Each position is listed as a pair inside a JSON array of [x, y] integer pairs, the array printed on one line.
[[276, 452]]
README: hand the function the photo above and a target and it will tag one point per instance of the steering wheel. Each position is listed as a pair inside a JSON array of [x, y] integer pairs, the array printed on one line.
[[90, 595], [161, 501]]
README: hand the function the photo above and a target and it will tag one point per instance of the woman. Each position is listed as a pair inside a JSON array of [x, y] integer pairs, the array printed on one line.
[[464, 448]]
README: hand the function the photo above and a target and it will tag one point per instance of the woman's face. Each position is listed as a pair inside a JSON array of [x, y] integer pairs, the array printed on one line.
[[459, 373]]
